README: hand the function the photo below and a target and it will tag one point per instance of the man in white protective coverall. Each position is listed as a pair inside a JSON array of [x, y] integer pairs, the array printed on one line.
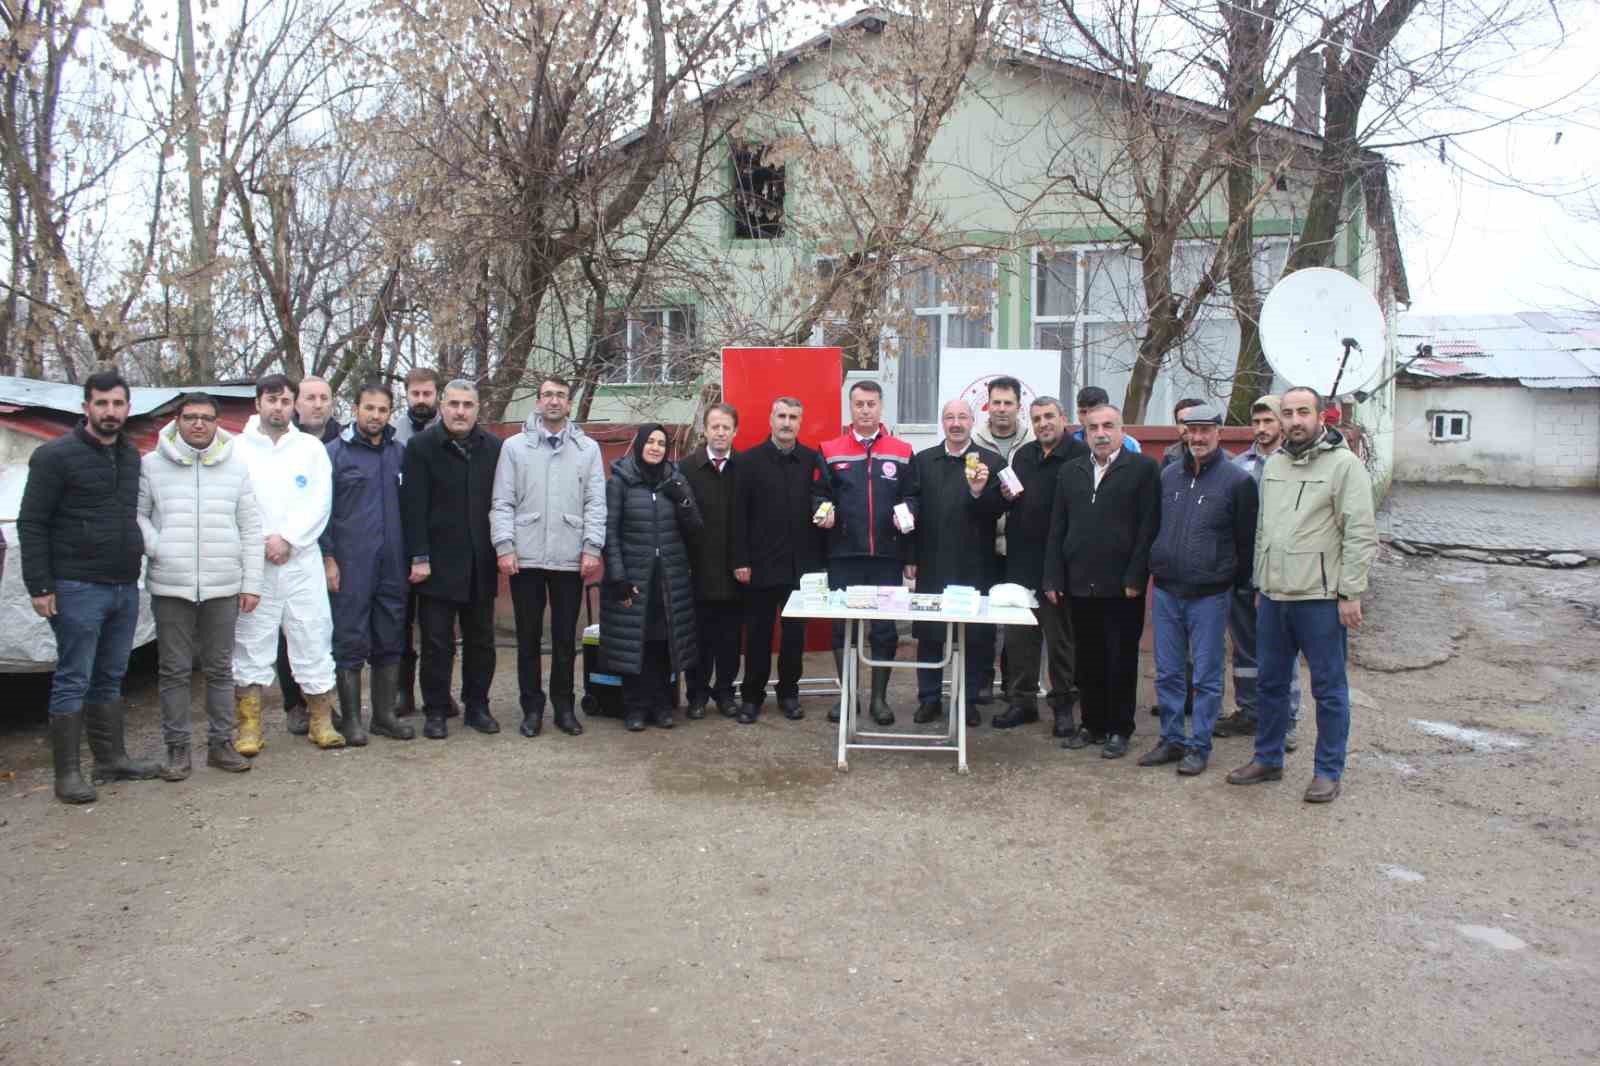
[[292, 479]]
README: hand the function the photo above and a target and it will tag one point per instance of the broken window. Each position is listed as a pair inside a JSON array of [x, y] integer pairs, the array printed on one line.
[[757, 194]]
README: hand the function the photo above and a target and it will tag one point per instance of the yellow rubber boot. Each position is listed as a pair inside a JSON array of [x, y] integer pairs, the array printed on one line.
[[247, 736], [322, 733]]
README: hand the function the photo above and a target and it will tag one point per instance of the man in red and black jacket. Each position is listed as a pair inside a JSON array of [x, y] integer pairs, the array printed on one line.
[[869, 474]]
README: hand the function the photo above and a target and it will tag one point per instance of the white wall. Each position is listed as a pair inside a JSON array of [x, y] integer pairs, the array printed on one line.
[[1546, 438]]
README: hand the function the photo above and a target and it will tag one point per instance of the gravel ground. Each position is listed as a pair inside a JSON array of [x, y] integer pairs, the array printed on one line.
[[720, 894]]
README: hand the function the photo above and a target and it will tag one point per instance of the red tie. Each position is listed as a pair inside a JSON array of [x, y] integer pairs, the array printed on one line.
[[719, 463]]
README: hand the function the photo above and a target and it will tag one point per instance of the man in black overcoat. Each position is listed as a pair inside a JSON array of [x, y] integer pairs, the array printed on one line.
[[711, 471]]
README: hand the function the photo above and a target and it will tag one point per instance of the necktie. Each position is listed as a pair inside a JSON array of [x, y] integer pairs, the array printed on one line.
[[719, 463], [555, 441]]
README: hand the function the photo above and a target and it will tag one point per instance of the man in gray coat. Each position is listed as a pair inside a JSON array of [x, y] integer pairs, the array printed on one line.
[[202, 533], [548, 524]]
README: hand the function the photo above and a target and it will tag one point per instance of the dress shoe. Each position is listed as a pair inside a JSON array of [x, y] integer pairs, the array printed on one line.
[[983, 695], [661, 718], [1116, 747], [748, 713], [1063, 726], [434, 727], [567, 721], [1290, 741], [1083, 738], [1014, 716], [532, 723], [727, 706], [1237, 724], [1162, 754], [695, 711], [220, 754], [928, 712], [1322, 789], [790, 706], [1254, 773], [480, 719], [633, 721], [1193, 763]]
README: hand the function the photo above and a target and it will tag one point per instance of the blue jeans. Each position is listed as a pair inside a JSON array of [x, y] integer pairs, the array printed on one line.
[[94, 624], [1285, 630], [1189, 628]]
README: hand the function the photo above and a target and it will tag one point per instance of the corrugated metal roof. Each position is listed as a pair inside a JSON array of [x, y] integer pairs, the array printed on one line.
[[1539, 349], [60, 396]]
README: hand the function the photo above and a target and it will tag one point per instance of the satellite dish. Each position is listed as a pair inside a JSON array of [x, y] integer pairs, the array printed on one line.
[[1322, 328]]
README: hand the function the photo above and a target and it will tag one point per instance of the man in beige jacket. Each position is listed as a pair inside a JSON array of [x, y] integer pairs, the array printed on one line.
[[1315, 542]]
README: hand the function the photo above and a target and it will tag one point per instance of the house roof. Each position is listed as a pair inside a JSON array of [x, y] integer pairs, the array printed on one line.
[[1538, 349], [60, 396]]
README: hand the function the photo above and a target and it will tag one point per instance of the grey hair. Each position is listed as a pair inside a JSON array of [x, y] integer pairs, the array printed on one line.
[[462, 385], [1047, 401], [787, 401]]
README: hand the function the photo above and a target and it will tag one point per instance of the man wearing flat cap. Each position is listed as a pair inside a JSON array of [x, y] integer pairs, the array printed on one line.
[[1203, 555]]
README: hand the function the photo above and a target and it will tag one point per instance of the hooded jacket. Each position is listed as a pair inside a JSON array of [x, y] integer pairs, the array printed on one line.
[[549, 504], [201, 524], [1316, 536], [649, 527]]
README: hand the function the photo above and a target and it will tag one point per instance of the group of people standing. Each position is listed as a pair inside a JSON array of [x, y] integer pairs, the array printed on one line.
[[308, 552]]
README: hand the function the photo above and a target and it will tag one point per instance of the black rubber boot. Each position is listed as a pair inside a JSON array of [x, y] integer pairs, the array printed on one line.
[[384, 721], [881, 713], [177, 767], [297, 720], [406, 690], [66, 743], [434, 728], [104, 724], [838, 671], [349, 724]]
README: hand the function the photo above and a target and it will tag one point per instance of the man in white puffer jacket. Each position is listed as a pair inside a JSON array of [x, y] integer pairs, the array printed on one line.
[[292, 480], [202, 532]]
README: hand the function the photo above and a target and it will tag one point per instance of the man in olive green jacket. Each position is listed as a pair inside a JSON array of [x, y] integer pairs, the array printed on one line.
[[1315, 542]]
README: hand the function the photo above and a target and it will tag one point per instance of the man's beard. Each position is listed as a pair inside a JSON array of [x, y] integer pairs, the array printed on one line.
[[421, 412], [108, 425]]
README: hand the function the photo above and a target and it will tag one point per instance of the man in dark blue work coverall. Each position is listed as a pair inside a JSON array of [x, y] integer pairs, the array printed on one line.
[[363, 549]]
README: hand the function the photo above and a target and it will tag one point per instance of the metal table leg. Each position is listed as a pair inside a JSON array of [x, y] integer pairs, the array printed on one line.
[[959, 704], [847, 697]]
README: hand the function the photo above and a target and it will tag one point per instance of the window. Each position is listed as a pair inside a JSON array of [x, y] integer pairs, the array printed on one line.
[[948, 306], [1089, 305], [649, 347], [1449, 425], [757, 194]]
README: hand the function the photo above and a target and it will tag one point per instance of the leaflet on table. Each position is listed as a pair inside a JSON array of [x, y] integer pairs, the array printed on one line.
[[961, 599]]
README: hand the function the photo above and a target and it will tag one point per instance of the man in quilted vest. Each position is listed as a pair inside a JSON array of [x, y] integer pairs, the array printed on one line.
[[202, 533]]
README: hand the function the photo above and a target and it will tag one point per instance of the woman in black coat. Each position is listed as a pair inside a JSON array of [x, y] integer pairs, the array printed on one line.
[[647, 622]]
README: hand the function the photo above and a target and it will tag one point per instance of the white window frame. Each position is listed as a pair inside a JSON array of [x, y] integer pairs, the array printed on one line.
[[1441, 426], [943, 313], [637, 369]]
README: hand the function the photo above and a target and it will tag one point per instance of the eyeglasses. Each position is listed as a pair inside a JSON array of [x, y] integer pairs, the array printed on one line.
[[196, 420]]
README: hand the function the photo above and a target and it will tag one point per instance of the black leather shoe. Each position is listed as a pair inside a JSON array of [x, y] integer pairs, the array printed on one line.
[[1081, 738], [928, 712], [532, 724], [983, 695], [1014, 716], [695, 711], [1254, 773], [1116, 747], [790, 706], [1237, 724], [434, 727], [1063, 726], [633, 721], [567, 722], [748, 713], [833, 714], [1162, 754], [1193, 763], [727, 706], [661, 718], [480, 719]]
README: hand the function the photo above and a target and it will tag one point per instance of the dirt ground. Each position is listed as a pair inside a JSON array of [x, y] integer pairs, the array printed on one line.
[[720, 894]]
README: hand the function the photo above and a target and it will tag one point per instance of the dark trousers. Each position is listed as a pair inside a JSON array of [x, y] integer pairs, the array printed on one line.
[[762, 608], [438, 619], [185, 630], [1021, 661], [1108, 632], [94, 625], [369, 615], [408, 652], [292, 696], [867, 570], [979, 651], [648, 691], [719, 622], [531, 590]]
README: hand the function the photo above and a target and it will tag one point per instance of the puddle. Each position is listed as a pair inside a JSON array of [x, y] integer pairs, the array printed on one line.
[[1477, 739], [1492, 935], [1400, 873]]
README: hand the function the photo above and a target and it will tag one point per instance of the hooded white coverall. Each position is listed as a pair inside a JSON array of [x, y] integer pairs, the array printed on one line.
[[293, 484]]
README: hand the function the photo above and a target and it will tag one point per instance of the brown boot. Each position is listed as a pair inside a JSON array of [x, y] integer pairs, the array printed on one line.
[[320, 709], [247, 733], [1254, 773], [1322, 789], [220, 755]]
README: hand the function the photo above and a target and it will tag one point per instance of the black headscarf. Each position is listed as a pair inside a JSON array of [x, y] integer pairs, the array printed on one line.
[[651, 472]]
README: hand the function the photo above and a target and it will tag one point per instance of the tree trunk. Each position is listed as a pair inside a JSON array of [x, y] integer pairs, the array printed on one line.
[[201, 319], [1251, 375]]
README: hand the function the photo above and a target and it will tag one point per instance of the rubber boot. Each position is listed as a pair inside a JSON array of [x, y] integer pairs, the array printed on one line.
[[220, 754], [838, 671], [295, 720], [104, 724], [405, 693], [349, 722], [322, 733], [66, 744], [177, 767], [384, 721], [247, 710], [881, 713]]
